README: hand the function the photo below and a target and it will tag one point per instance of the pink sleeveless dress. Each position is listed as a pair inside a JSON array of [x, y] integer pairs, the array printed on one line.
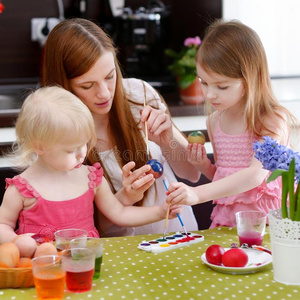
[[46, 216], [234, 152]]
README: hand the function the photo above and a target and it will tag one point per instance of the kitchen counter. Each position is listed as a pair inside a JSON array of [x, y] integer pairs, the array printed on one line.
[[12, 97]]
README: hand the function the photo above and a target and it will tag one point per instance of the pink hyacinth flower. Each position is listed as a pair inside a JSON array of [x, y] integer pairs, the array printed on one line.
[[192, 41]]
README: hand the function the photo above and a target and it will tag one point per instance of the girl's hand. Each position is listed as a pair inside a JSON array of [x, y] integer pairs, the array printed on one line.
[[160, 127], [136, 182], [180, 193], [197, 154], [174, 210]]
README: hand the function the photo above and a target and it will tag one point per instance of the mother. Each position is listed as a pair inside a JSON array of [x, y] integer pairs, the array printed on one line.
[[80, 57]]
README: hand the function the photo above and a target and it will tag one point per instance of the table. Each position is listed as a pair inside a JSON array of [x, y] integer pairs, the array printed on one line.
[[130, 273]]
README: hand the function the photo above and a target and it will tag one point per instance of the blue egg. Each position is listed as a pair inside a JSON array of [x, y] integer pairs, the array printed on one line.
[[157, 168]]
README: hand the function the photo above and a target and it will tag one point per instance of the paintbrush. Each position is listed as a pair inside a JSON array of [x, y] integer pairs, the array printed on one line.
[[184, 229], [146, 134], [178, 215], [167, 215], [166, 221]]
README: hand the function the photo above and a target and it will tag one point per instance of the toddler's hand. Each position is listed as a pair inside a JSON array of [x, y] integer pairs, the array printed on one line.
[[136, 182], [174, 209], [180, 193]]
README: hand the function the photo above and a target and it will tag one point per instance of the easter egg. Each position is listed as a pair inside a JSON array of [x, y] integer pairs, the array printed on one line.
[[235, 257], [157, 168], [26, 245], [9, 255], [196, 137], [24, 262], [214, 254], [45, 249], [40, 239]]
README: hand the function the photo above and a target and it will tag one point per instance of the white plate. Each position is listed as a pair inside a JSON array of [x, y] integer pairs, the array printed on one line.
[[257, 260]]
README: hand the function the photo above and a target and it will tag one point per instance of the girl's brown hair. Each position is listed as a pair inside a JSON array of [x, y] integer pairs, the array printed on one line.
[[71, 49], [234, 50]]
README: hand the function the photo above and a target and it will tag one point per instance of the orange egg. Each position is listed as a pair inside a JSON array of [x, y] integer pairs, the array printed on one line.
[[24, 262], [26, 244], [45, 249], [9, 255]]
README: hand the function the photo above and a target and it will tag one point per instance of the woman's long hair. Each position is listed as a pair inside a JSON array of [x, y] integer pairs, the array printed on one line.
[[71, 49]]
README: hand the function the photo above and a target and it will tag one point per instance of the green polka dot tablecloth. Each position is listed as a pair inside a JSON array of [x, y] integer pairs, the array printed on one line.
[[130, 273]]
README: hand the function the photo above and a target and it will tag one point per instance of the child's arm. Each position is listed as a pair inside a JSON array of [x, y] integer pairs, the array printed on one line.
[[9, 213], [236, 183], [121, 215]]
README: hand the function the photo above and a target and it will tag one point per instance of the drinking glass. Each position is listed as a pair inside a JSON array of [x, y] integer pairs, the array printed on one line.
[[251, 227], [64, 236], [49, 277], [79, 264], [96, 245]]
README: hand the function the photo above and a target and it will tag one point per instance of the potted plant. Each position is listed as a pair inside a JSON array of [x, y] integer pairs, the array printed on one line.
[[284, 222], [184, 68]]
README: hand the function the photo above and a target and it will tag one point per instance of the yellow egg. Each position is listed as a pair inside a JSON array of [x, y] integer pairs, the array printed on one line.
[[26, 245], [196, 137], [45, 249], [9, 255]]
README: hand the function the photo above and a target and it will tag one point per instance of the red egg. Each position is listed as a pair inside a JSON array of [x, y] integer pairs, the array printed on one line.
[[214, 254], [40, 239], [235, 257]]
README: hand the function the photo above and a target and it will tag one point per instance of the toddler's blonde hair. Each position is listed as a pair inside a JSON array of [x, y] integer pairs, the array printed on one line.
[[48, 116]]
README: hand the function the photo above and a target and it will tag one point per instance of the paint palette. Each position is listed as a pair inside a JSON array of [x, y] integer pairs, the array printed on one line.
[[171, 242]]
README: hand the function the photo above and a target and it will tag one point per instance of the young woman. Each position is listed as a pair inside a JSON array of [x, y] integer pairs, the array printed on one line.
[[81, 58], [232, 67]]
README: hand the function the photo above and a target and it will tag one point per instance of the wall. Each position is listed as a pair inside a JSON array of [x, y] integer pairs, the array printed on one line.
[[278, 25], [20, 57]]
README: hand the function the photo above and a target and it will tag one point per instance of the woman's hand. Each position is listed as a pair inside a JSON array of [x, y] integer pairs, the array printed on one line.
[[136, 182], [159, 125], [181, 194]]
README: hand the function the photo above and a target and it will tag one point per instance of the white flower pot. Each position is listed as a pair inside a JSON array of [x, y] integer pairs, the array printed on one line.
[[285, 246]]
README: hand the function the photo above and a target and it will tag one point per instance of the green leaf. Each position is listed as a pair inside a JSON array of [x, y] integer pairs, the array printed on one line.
[[171, 53], [284, 194], [186, 80], [291, 189], [177, 69], [276, 173], [297, 200], [188, 62]]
